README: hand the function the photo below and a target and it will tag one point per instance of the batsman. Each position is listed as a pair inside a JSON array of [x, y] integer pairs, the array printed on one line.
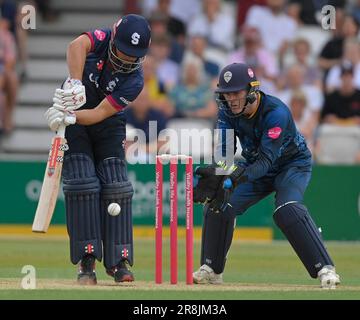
[[276, 160], [105, 75]]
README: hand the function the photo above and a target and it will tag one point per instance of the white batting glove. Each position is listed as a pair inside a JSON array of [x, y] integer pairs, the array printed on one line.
[[71, 97], [57, 117]]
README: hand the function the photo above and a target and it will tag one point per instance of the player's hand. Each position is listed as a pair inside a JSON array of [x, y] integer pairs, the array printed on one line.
[[56, 117], [206, 184], [71, 97]]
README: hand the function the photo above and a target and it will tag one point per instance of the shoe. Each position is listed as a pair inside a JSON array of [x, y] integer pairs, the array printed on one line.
[[328, 277], [121, 272], [207, 275], [86, 274]]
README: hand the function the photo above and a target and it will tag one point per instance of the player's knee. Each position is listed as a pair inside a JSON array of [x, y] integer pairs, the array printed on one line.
[[290, 213], [113, 176], [79, 175]]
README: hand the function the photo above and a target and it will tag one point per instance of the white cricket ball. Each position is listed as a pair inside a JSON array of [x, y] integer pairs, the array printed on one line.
[[114, 209]]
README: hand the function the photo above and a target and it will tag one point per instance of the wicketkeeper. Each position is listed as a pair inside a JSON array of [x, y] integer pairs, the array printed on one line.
[[105, 75], [277, 159]]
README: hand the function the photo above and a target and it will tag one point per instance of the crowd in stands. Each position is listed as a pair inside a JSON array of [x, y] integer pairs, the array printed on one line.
[[13, 53], [316, 72], [316, 75]]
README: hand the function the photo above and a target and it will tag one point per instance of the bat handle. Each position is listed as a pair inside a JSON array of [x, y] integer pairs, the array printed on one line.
[[61, 131]]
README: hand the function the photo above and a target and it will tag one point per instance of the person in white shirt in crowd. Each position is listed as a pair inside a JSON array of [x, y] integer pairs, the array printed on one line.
[[184, 10], [302, 116], [295, 81], [277, 29], [218, 25], [302, 50], [253, 53], [167, 71], [352, 55]]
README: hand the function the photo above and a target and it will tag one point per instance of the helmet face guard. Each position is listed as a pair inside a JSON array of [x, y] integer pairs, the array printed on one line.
[[121, 65], [253, 88], [131, 35]]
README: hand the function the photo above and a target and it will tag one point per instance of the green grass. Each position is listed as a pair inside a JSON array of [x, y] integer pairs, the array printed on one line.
[[254, 271]]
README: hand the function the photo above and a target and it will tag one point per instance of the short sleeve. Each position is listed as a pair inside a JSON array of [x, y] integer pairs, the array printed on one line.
[[122, 97], [98, 38], [272, 138]]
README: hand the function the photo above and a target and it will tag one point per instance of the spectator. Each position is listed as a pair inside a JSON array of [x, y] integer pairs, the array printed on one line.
[[138, 115], [255, 55], [193, 97], [183, 10], [302, 116], [167, 71], [343, 105], [175, 26], [276, 28], [295, 79], [306, 11], [332, 52], [156, 89], [355, 9], [243, 7], [218, 26], [10, 81], [159, 24], [352, 55], [301, 56], [302, 51], [197, 47]]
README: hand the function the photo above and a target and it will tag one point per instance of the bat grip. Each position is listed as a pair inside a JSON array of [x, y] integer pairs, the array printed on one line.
[[61, 131]]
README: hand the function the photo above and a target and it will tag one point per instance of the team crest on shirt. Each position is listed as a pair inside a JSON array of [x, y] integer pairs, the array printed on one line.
[[100, 65], [227, 76], [250, 73], [274, 133], [100, 35]]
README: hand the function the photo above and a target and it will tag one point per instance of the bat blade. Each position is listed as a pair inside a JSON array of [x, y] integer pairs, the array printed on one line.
[[51, 184]]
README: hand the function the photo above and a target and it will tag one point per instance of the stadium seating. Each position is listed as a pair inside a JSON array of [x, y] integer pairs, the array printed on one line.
[[338, 144]]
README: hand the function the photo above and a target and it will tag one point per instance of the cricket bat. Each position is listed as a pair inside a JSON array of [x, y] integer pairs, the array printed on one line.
[[51, 182]]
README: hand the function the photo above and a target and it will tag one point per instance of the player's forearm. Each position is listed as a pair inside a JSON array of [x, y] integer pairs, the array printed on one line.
[[88, 117], [76, 57], [258, 169]]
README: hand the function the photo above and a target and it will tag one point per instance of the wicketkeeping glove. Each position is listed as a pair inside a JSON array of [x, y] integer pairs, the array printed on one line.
[[206, 184]]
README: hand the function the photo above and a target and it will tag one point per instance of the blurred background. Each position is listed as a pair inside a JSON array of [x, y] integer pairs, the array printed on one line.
[[315, 71]]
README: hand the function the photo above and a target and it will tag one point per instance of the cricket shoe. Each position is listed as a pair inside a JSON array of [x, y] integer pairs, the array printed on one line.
[[121, 272], [207, 275], [329, 279], [86, 274]]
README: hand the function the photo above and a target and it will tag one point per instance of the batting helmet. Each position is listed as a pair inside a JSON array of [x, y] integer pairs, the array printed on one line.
[[131, 35], [233, 78]]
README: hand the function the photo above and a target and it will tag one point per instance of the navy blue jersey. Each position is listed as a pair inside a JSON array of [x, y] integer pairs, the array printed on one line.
[[101, 81], [269, 139]]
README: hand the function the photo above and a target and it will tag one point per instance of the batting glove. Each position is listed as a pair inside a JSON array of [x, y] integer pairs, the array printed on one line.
[[71, 97], [57, 117]]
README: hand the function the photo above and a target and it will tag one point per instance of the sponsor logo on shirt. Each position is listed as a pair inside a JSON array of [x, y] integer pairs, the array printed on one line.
[[100, 35], [124, 100], [274, 133]]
